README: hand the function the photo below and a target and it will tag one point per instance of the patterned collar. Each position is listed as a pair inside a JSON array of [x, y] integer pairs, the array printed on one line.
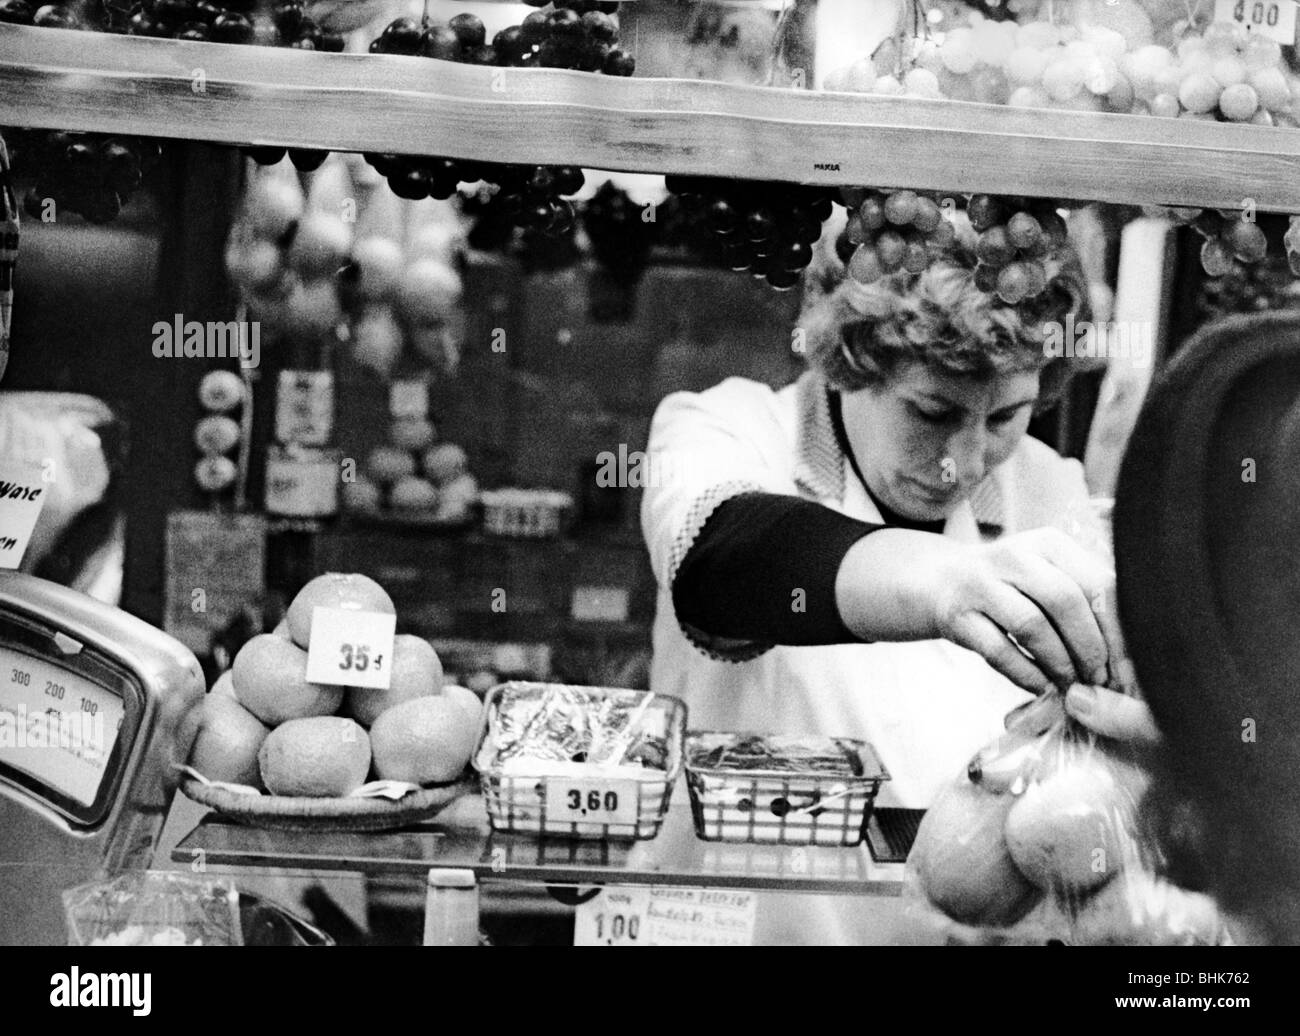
[[820, 465]]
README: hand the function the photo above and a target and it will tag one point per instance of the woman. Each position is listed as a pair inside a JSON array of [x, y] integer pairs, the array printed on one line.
[[875, 551]]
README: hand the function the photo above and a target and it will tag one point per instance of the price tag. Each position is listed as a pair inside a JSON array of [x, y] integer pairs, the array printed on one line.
[[350, 647], [591, 800], [22, 495], [616, 917], [304, 407], [666, 917], [1275, 19]]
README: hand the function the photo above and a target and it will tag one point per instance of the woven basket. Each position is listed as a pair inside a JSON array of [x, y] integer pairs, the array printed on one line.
[[284, 813]]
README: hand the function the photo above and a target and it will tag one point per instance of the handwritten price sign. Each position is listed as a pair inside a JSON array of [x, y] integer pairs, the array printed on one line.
[[352, 648], [1273, 18]]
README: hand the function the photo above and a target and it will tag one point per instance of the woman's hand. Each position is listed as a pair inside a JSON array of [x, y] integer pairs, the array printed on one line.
[[1036, 594], [1036, 605]]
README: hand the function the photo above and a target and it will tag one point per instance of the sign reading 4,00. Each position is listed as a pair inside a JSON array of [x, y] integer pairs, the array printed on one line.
[[592, 801], [1275, 19]]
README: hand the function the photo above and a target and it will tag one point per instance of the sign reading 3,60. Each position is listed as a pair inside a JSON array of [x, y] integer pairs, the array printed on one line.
[[592, 801]]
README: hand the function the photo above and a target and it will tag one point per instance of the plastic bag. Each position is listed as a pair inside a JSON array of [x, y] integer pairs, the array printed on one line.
[[154, 908], [1043, 840]]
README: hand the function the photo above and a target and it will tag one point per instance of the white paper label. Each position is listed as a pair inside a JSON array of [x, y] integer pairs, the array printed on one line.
[[599, 603], [349, 647], [304, 411], [22, 495], [666, 917], [1275, 19], [586, 800]]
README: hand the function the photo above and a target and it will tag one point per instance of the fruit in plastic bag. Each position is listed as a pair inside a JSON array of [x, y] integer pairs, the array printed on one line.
[[1065, 833], [962, 862], [1142, 910]]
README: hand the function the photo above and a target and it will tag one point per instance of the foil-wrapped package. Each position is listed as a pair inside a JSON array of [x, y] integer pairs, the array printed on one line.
[[550, 729], [756, 753]]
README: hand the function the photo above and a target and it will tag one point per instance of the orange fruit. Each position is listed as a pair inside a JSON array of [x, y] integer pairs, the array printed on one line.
[[416, 672], [224, 686], [228, 741], [465, 698], [270, 680], [317, 756], [424, 741], [335, 590], [960, 857]]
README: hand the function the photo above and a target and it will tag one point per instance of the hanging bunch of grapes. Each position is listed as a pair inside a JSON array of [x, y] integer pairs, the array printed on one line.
[[564, 35], [766, 228], [892, 231], [91, 174], [1229, 238], [903, 230]]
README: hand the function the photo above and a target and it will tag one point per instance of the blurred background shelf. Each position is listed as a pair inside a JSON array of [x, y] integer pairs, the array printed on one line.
[[65, 79]]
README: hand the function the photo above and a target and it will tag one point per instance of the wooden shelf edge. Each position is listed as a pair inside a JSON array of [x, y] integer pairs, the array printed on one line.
[[64, 79]]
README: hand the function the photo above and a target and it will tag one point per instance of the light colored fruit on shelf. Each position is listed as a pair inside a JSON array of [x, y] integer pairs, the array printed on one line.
[[413, 493], [424, 741], [270, 680], [228, 740], [444, 462], [321, 756], [334, 590], [273, 200], [361, 495], [379, 262], [388, 465], [320, 245], [216, 434], [457, 497], [221, 391], [224, 686], [313, 306], [331, 191], [466, 699], [215, 474], [429, 290], [416, 671], [412, 433], [376, 341]]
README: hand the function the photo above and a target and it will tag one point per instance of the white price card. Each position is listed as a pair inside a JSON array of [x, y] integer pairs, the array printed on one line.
[[666, 917], [1273, 18], [350, 647], [591, 800], [22, 495]]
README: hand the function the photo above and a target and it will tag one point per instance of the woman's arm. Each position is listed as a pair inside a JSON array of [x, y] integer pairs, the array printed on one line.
[[764, 568]]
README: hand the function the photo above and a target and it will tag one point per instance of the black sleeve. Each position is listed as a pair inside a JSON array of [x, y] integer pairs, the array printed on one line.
[[763, 568]]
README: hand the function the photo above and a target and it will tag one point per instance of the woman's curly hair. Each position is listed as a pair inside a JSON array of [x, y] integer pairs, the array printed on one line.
[[859, 335]]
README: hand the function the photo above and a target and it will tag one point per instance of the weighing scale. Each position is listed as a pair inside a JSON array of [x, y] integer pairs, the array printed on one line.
[[96, 710]]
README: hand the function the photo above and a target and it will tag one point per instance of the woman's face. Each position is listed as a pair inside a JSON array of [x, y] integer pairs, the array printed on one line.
[[924, 439]]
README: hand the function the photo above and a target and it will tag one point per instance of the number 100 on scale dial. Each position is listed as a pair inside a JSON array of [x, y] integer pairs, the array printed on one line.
[[591, 801]]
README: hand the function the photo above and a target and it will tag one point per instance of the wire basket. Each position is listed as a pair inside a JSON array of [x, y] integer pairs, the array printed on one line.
[[586, 800], [783, 808], [533, 514]]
